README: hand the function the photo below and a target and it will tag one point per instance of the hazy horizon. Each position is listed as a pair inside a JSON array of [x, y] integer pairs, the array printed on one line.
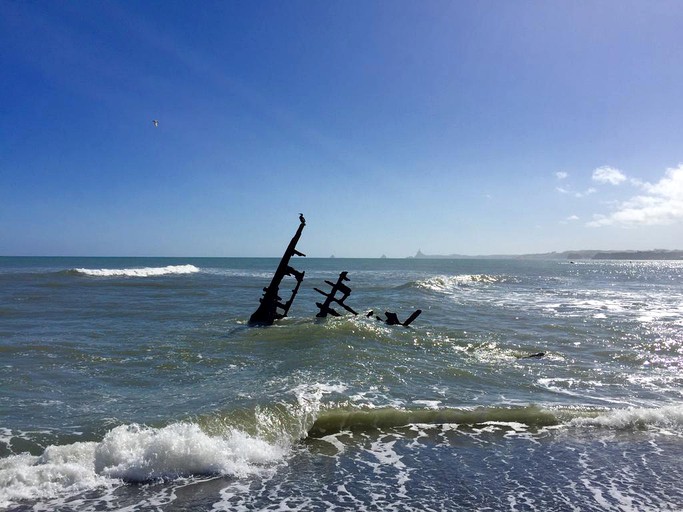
[[425, 255]]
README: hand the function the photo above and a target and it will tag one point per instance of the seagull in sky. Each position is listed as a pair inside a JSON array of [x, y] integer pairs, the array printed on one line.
[[156, 123]]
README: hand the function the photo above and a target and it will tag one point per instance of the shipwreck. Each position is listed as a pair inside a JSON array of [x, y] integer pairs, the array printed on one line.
[[272, 307]]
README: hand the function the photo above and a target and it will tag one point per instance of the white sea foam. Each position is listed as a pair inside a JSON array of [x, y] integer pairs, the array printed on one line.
[[138, 272], [5, 435], [636, 417], [428, 404], [133, 453], [136, 453], [59, 471], [374, 398], [389, 462], [309, 398], [333, 439]]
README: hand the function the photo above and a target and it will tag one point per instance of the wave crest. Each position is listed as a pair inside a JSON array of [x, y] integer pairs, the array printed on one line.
[[136, 453], [335, 421], [635, 418], [133, 453], [135, 272]]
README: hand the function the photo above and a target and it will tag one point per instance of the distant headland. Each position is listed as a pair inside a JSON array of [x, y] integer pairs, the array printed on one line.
[[655, 254]]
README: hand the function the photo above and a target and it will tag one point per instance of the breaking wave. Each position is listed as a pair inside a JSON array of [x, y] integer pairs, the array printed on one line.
[[137, 453], [136, 272], [635, 418], [134, 453], [236, 444], [338, 420], [334, 421]]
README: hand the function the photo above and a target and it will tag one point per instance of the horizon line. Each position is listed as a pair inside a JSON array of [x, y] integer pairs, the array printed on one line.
[[415, 256]]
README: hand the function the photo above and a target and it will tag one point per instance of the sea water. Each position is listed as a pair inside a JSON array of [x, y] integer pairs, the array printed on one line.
[[136, 384]]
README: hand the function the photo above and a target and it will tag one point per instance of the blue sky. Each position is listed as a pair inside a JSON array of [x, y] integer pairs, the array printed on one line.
[[487, 127]]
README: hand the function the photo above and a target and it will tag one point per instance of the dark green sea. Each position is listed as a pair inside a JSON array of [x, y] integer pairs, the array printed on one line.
[[136, 384]]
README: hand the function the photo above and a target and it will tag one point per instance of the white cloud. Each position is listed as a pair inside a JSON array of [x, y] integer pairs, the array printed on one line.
[[608, 174], [571, 218], [586, 193], [662, 204], [561, 176]]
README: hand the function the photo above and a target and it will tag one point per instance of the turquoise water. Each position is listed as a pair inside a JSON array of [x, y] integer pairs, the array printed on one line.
[[135, 383]]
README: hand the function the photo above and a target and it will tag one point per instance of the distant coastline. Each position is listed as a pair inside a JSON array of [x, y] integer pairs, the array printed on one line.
[[655, 254]]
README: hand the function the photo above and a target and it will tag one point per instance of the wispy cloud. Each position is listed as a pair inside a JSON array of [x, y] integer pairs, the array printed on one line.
[[661, 204], [608, 174], [585, 193], [571, 218], [561, 175]]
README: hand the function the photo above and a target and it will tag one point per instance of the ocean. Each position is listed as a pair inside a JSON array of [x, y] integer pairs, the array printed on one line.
[[137, 384]]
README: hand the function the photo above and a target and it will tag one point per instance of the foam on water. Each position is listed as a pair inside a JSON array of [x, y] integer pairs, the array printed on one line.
[[560, 300], [5, 435], [369, 419], [309, 399], [59, 471], [344, 413], [137, 453], [134, 453], [669, 417], [137, 272]]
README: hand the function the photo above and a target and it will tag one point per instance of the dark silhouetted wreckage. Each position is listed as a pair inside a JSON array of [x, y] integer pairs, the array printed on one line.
[[392, 318], [339, 286], [272, 307]]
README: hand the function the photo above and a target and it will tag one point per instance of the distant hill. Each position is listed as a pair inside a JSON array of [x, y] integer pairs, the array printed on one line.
[[656, 254]]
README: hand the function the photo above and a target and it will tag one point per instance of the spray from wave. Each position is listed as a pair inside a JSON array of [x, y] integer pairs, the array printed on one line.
[[237, 444], [639, 418], [136, 272], [134, 453]]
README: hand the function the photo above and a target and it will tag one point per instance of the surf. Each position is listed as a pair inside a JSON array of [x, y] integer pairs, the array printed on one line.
[[135, 453], [336, 420], [236, 443], [136, 272]]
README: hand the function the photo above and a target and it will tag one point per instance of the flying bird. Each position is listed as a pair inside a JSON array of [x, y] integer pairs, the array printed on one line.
[[156, 123]]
